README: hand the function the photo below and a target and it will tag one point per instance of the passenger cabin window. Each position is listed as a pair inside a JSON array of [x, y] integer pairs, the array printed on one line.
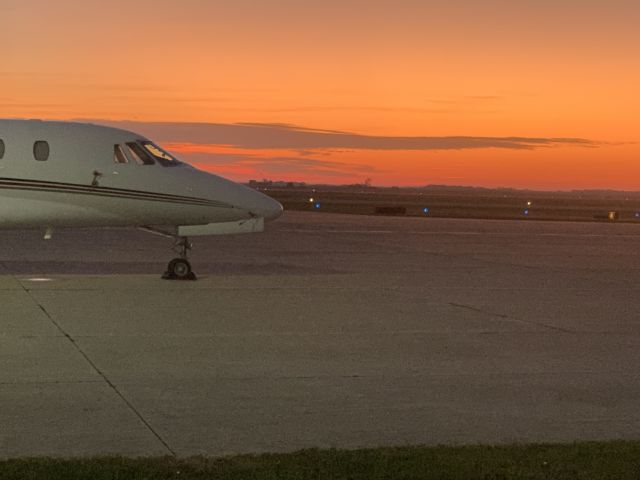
[[118, 155], [1, 148], [41, 150], [165, 159], [140, 155]]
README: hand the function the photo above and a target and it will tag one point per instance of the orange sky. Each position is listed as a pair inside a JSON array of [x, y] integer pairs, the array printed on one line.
[[403, 68]]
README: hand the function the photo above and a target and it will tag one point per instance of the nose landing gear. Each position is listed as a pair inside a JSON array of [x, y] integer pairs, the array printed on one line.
[[179, 268]]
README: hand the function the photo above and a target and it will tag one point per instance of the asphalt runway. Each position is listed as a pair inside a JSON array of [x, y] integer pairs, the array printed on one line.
[[325, 331]]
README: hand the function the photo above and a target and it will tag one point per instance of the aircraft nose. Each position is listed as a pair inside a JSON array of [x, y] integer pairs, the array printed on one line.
[[262, 205], [270, 209]]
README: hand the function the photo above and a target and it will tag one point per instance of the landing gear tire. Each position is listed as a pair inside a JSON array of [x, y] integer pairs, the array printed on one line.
[[179, 269]]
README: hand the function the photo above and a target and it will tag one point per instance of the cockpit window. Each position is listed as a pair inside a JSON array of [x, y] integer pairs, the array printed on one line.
[[118, 155], [160, 155], [140, 154]]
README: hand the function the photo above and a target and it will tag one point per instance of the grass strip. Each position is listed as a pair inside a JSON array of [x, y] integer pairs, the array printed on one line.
[[591, 460]]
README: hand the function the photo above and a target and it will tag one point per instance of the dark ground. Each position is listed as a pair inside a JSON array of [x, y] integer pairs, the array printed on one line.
[[465, 203]]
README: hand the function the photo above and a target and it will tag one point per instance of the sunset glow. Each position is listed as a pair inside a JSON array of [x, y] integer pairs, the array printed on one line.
[[350, 90]]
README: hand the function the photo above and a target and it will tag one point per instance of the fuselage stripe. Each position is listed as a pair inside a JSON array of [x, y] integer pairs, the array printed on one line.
[[37, 185]]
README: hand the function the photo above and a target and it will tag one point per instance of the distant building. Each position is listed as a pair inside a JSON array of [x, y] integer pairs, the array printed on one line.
[[265, 183]]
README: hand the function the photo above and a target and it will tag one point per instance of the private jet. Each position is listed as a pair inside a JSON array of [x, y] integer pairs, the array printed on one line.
[[67, 174]]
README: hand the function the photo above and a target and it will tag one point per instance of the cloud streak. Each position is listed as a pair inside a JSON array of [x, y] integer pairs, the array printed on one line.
[[284, 136], [278, 165]]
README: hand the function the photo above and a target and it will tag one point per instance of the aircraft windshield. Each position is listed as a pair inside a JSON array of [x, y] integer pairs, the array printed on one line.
[[162, 157]]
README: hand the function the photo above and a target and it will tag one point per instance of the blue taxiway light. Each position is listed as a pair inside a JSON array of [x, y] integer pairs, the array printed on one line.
[[526, 212], [317, 205], [426, 211]]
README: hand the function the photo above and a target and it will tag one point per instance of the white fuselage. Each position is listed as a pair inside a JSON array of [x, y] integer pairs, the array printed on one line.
[[81, 183]]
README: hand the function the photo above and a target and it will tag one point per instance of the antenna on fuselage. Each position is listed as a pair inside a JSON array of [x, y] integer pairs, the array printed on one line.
[[96, 176]]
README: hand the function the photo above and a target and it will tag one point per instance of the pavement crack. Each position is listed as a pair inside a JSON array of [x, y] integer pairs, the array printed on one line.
[[52, 382], [505, 317], [101, 373]]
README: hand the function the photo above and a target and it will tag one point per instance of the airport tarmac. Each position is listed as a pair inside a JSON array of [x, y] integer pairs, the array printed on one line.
[[325, 331]]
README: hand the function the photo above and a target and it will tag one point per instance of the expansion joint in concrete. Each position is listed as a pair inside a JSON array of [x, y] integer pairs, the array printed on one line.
[[111, 385], [504, 317]]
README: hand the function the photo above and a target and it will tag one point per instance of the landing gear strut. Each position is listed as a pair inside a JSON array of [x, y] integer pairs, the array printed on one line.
[[180, 268]]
